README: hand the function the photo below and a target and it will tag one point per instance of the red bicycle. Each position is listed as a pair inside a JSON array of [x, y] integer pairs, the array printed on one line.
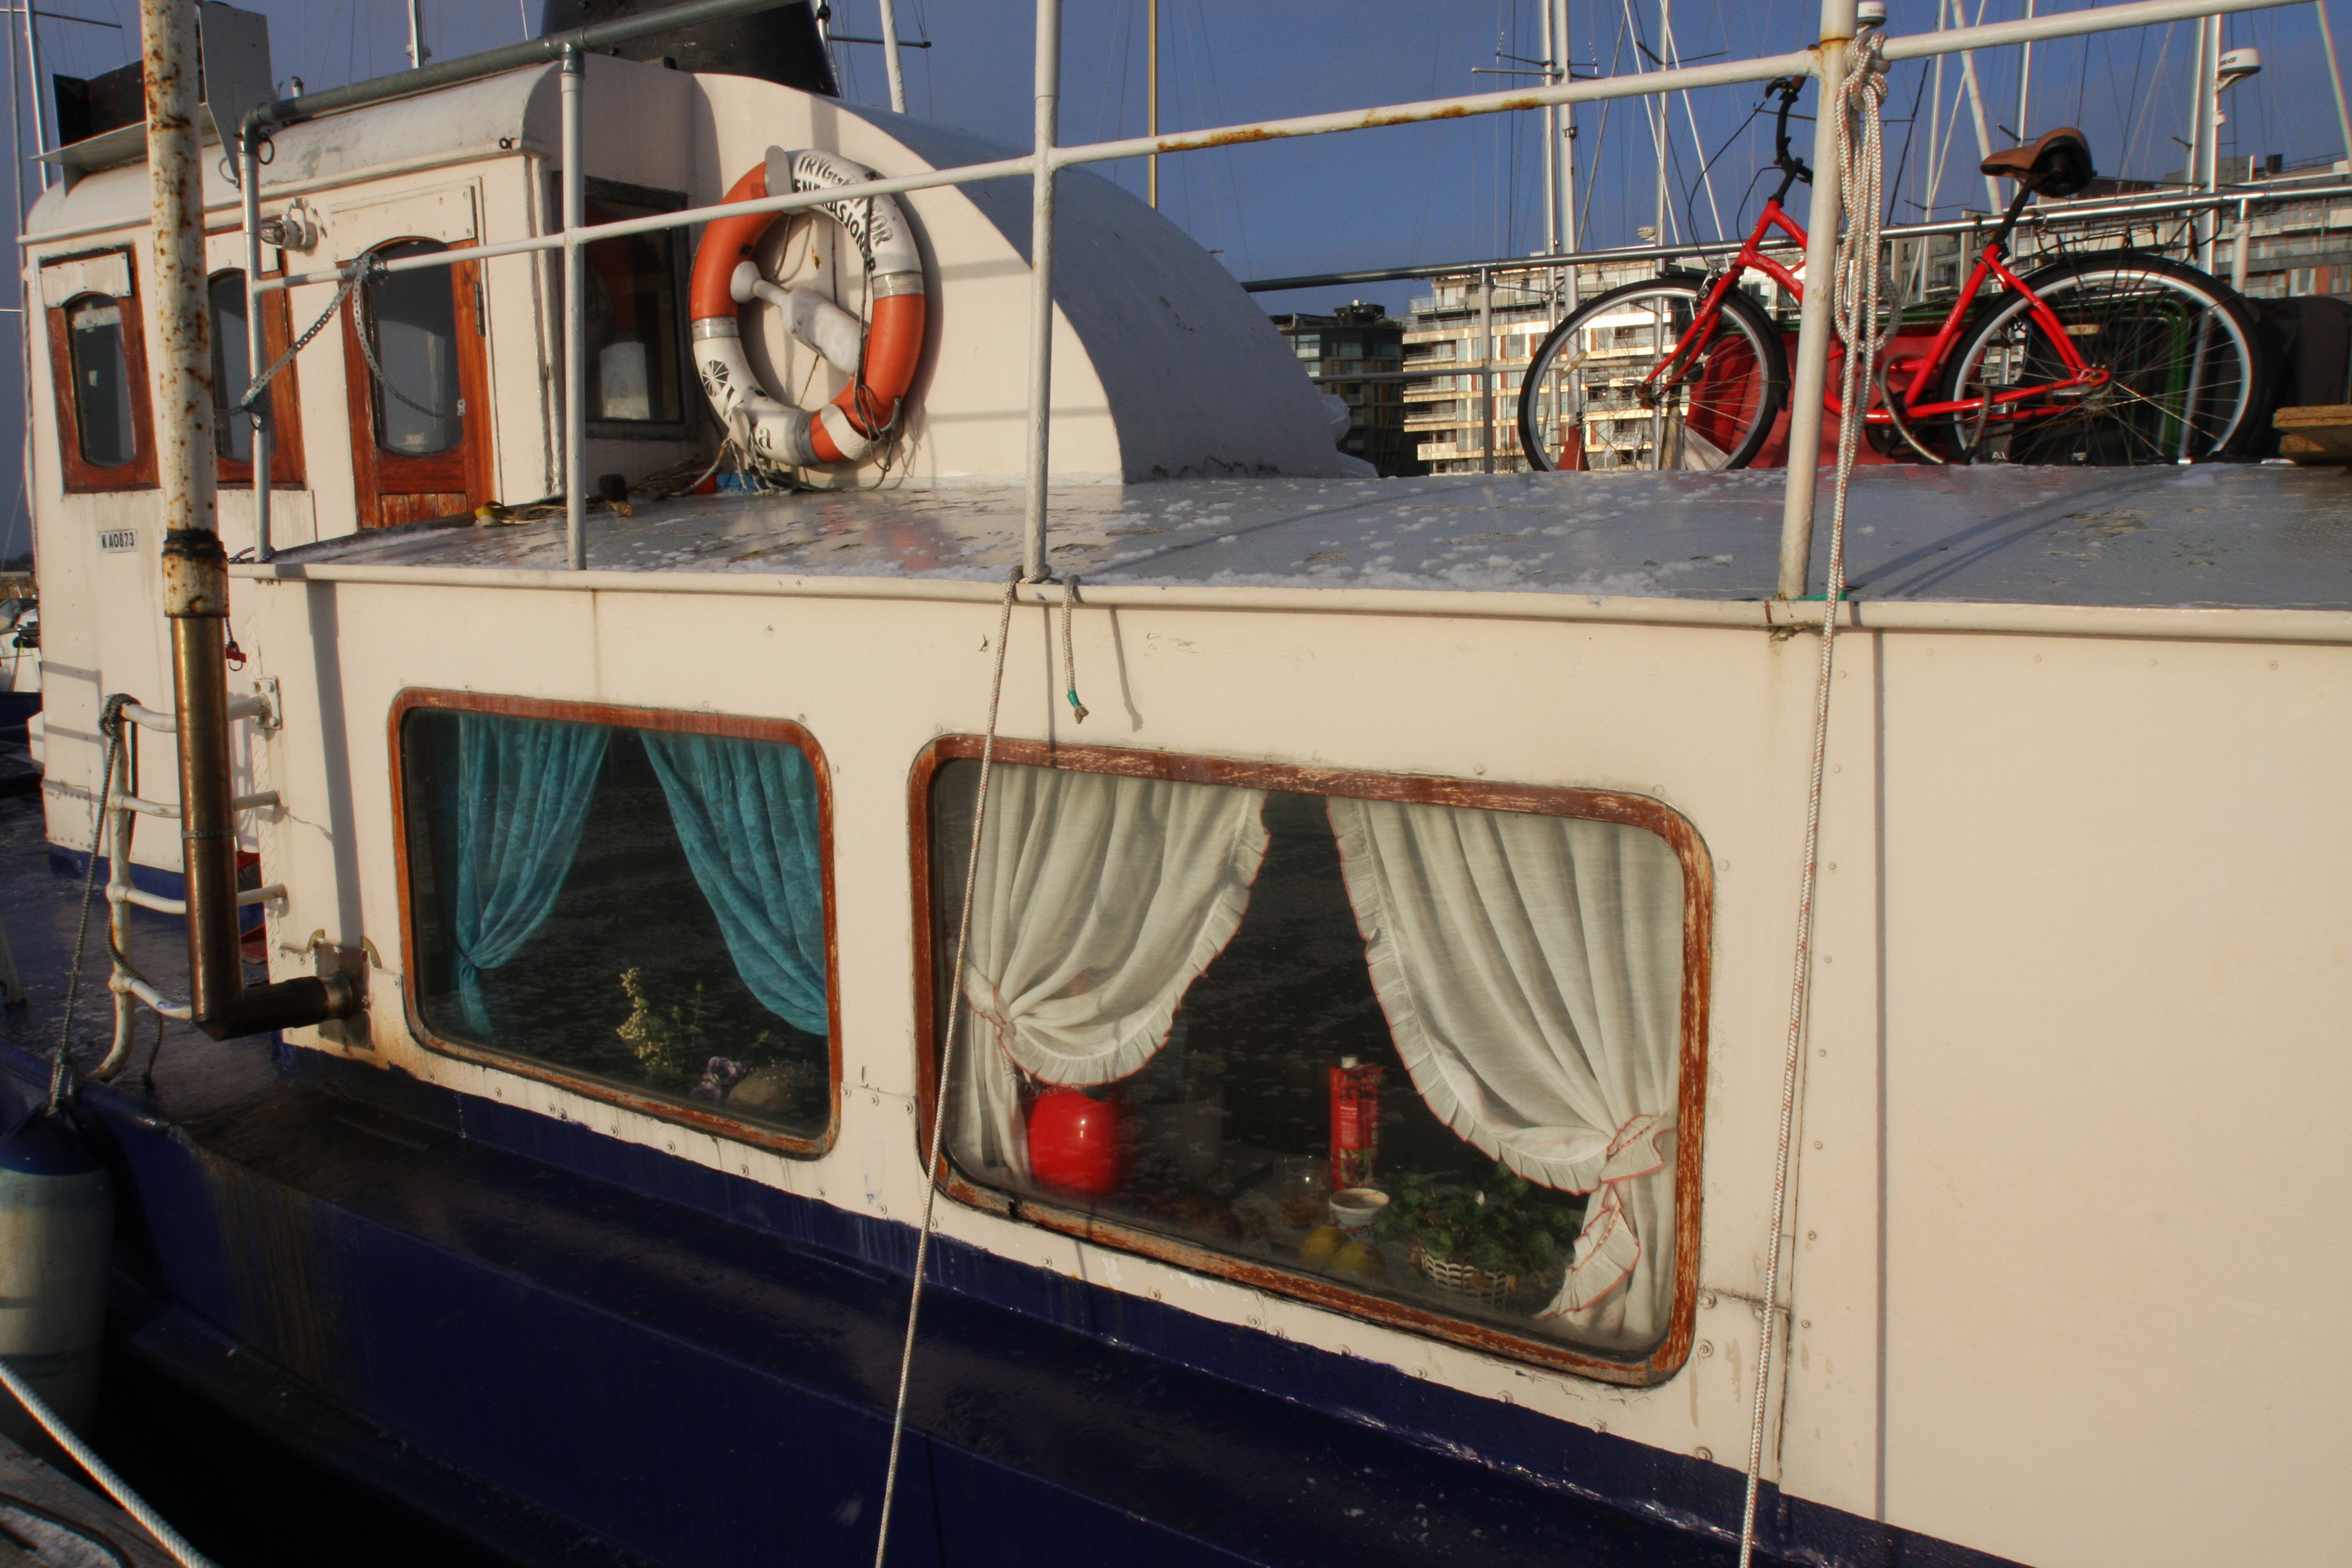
[[2111, 358]]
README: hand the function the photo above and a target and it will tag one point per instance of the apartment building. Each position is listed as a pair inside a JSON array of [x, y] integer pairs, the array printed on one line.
[[1359, 341], [1473, 334]]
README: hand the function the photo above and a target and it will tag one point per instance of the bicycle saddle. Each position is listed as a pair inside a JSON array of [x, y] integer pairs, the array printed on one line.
[[2058, 164]]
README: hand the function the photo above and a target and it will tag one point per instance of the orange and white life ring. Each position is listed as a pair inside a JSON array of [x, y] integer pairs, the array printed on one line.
[[880, 357]]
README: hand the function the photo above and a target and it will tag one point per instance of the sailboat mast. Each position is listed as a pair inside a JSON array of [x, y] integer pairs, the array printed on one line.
[[1571, 229], [1550, 114], [1663, 127], [2334, 73], [2024, 81], [1152, 98], [33, 75]]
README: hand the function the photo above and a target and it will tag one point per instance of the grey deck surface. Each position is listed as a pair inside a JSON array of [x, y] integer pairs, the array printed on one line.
[[2261, 536]]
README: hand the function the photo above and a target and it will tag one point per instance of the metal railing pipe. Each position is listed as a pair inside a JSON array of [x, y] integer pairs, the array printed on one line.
[[2034, 216], [576, 320], [1041, 285], [1810, 377], [966, 174], [2066, 25]]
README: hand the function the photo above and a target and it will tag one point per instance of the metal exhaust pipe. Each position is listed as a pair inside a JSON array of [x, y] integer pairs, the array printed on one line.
[[195, 567]]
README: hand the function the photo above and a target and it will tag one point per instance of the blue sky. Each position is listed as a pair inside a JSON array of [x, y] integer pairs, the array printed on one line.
[[1405, 195]]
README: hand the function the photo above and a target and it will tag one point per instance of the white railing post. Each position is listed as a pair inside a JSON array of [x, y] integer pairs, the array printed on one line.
[[1041, 284], [1811, 376], [575, 309], [116, 815]]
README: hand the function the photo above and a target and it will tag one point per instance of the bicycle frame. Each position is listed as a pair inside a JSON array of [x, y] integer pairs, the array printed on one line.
[[1992, 262]]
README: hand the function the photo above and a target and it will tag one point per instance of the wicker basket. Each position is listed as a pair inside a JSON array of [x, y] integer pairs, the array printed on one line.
[[1488, 1289]]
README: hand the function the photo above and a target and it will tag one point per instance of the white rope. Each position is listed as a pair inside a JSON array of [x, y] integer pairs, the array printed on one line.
[[171, 1539], [1861, 167], [947, 1066]]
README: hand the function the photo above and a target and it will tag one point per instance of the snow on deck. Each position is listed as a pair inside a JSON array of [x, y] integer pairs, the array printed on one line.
[[2257, 536]]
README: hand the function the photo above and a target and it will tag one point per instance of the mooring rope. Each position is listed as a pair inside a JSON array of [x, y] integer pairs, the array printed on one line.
[[1861, 96], [110, 724], [1069, 660], [955, 1011], [171, 1539]]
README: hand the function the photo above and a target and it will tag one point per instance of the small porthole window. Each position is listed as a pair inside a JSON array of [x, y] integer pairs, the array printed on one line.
[[101, 383], [634, 904], [1423, 1050]]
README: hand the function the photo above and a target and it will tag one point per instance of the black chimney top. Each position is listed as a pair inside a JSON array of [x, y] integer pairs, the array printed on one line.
[[779, 45]]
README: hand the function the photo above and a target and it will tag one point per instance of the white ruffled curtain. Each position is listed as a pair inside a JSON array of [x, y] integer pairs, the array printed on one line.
[[1099, 899], [1532, 970]]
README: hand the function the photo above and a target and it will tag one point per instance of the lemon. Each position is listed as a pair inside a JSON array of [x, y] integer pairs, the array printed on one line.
[[1359, 1260], [1321, 1243]]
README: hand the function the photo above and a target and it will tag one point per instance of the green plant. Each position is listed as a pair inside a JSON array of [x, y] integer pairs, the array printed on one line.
[[1501, 1223], [669, 1045]]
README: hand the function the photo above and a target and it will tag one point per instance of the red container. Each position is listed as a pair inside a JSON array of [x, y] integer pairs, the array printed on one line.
[[1077, 1144], [1355, 1124]]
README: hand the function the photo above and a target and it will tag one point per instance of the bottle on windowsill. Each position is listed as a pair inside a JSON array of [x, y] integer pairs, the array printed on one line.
[[1355, 1122]]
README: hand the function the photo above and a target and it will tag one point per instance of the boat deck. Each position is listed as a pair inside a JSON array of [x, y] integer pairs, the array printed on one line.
[[2263, 536]]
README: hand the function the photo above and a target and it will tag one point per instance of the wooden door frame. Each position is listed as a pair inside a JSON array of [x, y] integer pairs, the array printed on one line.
[[287, 459], [473, 449]]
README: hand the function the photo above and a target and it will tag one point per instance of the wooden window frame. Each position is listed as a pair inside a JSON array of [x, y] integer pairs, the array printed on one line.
[[1321, 1290], [665, 721], [81, 476], [286, 466], [470, 306]]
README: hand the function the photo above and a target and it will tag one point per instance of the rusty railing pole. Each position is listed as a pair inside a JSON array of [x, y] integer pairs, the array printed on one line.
[[1811, 378], [195, 567]]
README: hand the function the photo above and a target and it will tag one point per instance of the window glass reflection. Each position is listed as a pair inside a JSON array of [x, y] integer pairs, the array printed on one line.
[[232, 369], [632, 321], [642, 907], [412, 321], [1429, 1051], [102, 381]]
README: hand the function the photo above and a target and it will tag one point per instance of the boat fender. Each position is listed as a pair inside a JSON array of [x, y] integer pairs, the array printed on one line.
[[880, 356], [56, 1222]]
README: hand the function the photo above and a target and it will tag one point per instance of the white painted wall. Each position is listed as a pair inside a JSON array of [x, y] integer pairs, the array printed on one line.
[[2082, 940]]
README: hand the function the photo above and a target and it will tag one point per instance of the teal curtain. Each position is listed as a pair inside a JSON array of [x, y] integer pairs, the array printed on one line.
[[523, 795], [746, 812]]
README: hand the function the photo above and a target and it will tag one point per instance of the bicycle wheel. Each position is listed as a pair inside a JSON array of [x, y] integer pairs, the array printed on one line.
[[2179, 346], [1586, 403]]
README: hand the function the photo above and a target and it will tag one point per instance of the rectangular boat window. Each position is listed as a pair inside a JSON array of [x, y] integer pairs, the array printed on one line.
[[1426, 1052], [101, 383], [632, 904], [98, 370], [411, 322], [635, 319], [232, 368]]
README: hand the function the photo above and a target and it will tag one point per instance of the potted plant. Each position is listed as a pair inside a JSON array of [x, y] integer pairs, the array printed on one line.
[[1482, 1239]]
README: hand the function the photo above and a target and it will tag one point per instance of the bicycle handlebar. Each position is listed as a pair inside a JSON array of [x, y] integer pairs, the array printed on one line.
[[1788, 89]]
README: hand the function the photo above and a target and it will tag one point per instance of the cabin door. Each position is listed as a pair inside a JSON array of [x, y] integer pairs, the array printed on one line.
[[419, 386]]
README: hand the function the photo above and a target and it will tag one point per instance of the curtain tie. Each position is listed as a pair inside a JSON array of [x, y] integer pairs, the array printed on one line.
[[1608, 1249]]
